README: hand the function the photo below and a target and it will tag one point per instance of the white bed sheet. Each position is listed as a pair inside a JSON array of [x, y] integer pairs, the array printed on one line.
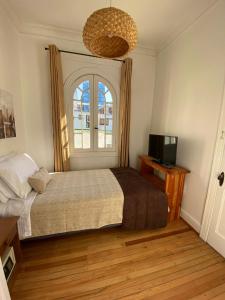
[[20, 208]]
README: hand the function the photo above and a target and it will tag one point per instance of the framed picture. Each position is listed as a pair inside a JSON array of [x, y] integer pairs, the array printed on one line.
[[7, 118]]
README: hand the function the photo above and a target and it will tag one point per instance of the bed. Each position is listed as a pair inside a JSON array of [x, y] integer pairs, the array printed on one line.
[[77, 200], [90, 199]]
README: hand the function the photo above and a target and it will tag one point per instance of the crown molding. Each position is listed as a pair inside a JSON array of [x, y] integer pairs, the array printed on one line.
[[143, 50], [69, 35], [50, 31]]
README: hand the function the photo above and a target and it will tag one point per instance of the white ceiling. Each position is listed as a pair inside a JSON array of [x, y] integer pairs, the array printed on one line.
[[158, 21]]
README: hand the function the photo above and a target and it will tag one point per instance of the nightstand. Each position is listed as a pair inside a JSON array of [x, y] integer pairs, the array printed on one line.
[[9, 239]]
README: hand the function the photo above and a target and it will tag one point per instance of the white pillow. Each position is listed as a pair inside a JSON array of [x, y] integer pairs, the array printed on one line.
[[15, 171], [5, 192], [6, 156], [21, 164], [3, 198]]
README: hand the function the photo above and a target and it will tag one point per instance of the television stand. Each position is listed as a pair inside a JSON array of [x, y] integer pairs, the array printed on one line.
[[169, 166], [172, 185]]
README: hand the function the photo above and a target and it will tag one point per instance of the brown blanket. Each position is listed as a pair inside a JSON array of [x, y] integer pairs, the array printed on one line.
[[144, 205]]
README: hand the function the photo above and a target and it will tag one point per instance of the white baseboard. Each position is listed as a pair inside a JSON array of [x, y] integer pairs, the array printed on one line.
[[190, 220]]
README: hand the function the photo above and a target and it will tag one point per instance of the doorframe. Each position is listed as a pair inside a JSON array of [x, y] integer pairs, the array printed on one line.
[[215, 170]]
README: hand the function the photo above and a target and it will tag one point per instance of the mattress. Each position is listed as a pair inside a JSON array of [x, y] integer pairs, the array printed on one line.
[[77, 200]]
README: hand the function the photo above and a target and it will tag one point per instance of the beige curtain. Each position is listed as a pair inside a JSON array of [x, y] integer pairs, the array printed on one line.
[[59, 122], [125, 107]]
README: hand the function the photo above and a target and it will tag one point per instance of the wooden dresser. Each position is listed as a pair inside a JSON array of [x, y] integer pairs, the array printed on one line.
[[9, 238], [172, 185]]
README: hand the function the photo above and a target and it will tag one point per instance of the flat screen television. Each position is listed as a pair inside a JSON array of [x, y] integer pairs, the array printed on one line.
[[163, 148]]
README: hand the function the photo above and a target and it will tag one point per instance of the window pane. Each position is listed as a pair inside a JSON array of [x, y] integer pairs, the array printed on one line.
[[108, 140], [105, 116], [101, 126], [108, 97], [86, 96], [86, 108], [101, 87], [101, 98], [86, 139], [78, 140], [76, 108], [84, 85], [78, 122], [109, 110], [77, 94], [101, 138], [86, 121], [109, 126], [81, 112], [101, 109]]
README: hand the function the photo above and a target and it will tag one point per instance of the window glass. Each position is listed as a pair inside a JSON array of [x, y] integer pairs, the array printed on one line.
[[105, 116], [93, 119], [81, 116]]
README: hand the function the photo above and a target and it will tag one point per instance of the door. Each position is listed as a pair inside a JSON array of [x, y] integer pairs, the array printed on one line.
[[216, 235], [213, 223]]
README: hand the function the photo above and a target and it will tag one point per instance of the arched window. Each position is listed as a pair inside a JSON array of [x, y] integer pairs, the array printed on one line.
[[94, 114]]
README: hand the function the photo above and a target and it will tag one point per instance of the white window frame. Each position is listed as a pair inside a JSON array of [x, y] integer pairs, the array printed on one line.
[[94, 150]]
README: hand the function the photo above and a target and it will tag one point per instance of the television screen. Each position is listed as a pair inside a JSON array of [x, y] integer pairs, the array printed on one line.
[[163, 148]]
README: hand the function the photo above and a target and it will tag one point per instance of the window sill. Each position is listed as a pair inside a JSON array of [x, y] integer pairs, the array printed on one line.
[[94, 154]]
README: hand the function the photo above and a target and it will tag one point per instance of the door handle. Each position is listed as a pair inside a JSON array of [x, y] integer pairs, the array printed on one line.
[[221, 178]]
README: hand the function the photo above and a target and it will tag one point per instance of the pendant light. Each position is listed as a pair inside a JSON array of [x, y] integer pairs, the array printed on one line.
[[110, 33]]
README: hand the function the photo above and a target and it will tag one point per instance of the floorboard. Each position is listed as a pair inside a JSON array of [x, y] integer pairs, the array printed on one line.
[[110, 264]]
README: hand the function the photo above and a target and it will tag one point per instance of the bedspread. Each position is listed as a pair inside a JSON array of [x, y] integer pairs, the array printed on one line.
[[77, 200], [144, 205]]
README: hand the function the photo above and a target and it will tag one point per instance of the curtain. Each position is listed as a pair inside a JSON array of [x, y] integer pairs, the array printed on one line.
[[125, 107], [59, 122]]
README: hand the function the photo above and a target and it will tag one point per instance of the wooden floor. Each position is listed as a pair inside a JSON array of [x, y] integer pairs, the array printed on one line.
[[171, 263]]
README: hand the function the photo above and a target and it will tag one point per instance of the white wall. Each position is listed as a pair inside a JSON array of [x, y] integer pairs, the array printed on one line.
[[10, 80], [37, 105], [143, 82], [188, 94]]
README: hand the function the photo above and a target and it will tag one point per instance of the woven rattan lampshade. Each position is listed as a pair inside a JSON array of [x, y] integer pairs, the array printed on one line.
[[110, 32]]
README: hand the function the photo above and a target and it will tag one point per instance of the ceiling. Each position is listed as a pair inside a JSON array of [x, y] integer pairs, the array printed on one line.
[[158, 21]]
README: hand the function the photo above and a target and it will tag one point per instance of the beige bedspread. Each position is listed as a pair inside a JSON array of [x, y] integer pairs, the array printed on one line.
[[77, 200]]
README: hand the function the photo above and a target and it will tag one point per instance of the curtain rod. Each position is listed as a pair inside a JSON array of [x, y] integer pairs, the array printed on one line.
[[90, 55]]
